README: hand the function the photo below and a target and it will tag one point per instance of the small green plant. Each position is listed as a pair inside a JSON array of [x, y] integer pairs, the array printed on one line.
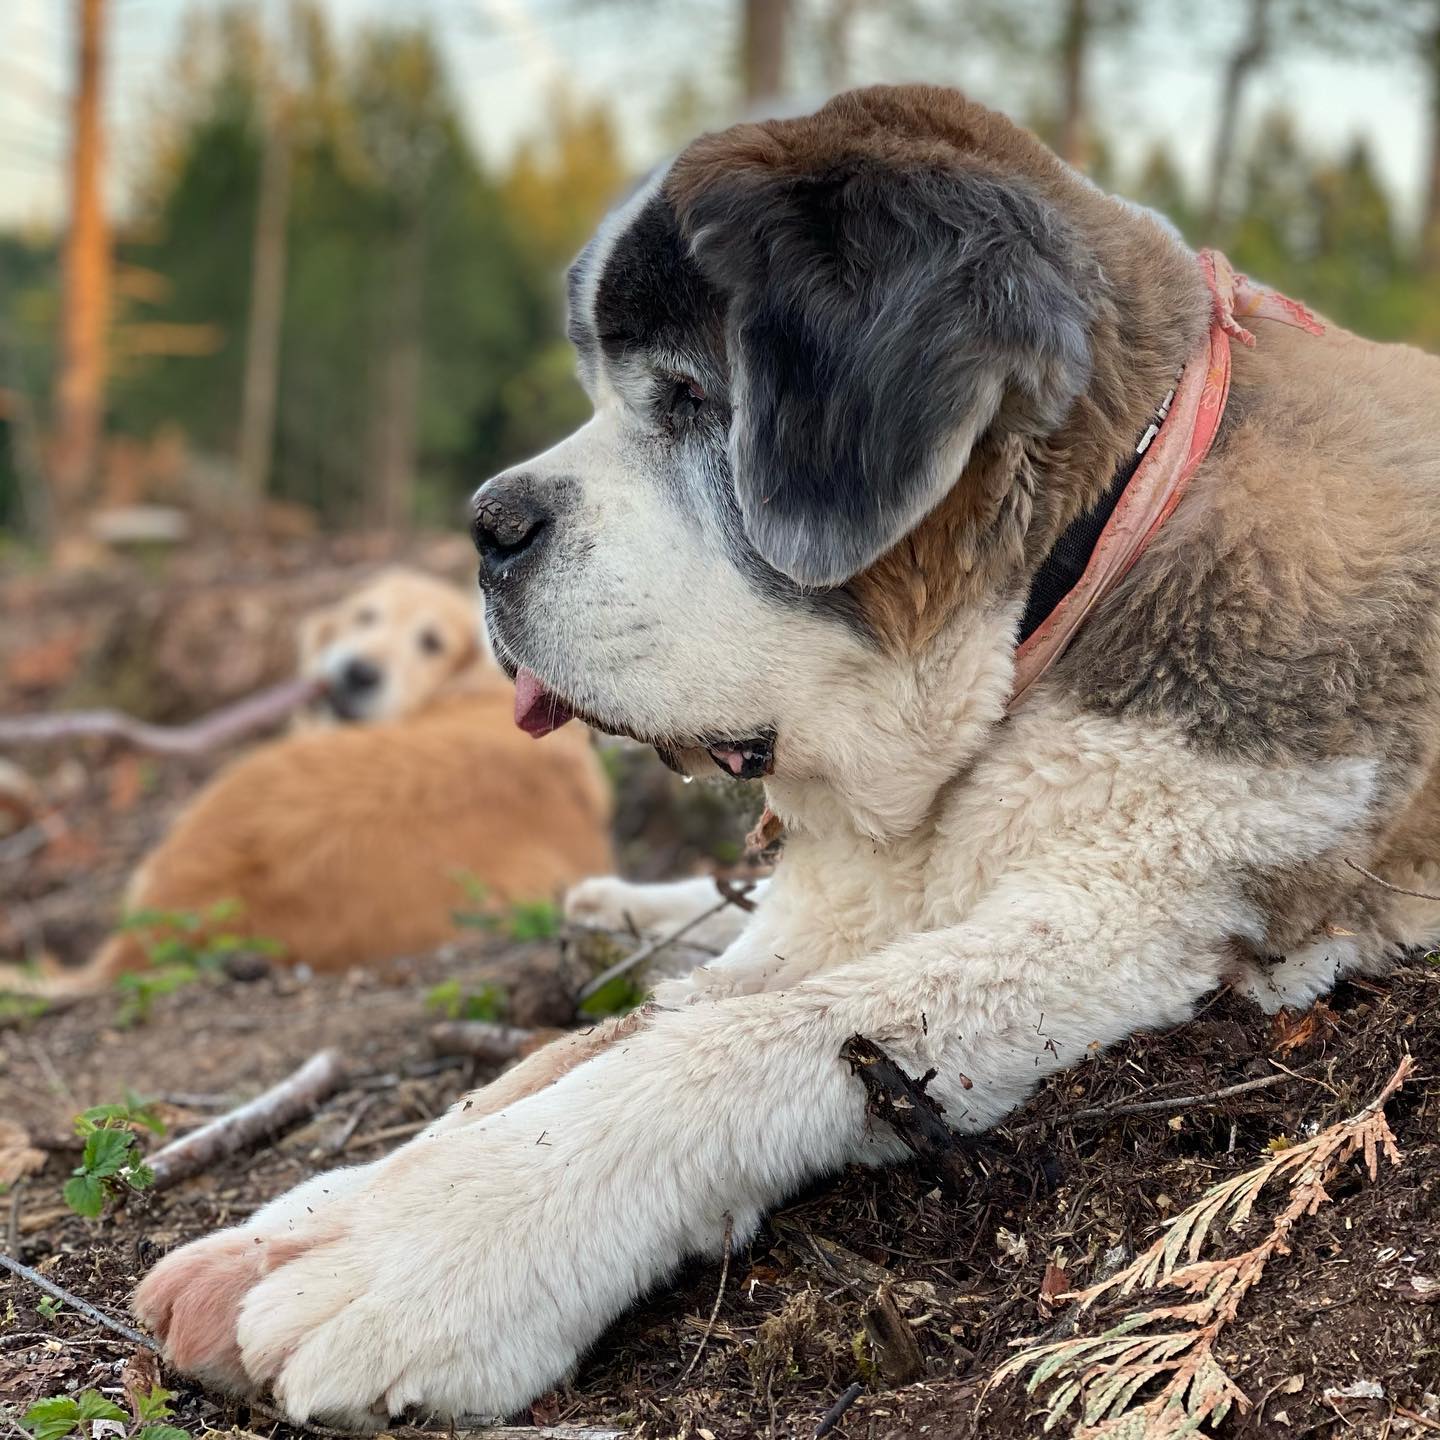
[[616, 997], [181, 945], [533, 920], [520, 920], [61, 1415], [48, 1307], [112, 1162], [486, 1003]]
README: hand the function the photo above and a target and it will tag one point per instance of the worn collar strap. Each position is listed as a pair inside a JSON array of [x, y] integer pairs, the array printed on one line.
[[1097, 550]]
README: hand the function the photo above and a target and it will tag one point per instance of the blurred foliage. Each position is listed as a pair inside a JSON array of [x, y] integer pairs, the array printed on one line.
[[386, 182]]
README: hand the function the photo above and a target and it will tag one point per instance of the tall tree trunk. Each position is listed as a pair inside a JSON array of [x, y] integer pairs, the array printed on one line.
[[397, 415], [79, 396], [1245, 59], [762, 48], [1074, 42], [267, 308], [1430, 223]]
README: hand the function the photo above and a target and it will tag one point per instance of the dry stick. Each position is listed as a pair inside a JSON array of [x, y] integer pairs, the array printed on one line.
[[1398, 889], [646, 951], [390, 1132], [296, 1095], [255, 712], [1170, 1102], [831, 1418], [715, 1308], [482, 1039], [737, 895], [83, 1306], [1415, 1418]]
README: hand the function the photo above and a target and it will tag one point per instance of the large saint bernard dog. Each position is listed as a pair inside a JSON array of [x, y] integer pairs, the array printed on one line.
[[860, 382]]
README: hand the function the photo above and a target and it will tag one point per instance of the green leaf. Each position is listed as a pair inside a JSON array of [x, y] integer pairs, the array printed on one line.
[[85, 1195], [162, 1432], [615, 997], [94, 1406], [50, 1419], [155, 1405], [107, 1151]]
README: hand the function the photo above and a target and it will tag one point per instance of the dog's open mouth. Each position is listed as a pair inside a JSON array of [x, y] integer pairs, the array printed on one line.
[[539, 710]]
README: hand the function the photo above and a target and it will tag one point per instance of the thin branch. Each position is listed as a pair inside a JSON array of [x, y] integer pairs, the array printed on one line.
[[75, 1302], [737, 895], [645, 952], [715, 1308], [831, 1418], [255, 712], [1397, 889], [298, 1094], [484, 1040], [391, 1132]]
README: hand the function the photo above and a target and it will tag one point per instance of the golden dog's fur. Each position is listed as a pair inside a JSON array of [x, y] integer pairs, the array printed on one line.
[[352, 845]]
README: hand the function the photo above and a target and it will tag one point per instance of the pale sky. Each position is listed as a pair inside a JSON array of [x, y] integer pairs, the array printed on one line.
[[505, 56]]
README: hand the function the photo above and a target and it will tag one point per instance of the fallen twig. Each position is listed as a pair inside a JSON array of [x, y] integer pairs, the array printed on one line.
[[653, 947], [298, 1094], [715, 1308], [831, 1418], [1397, 889], [390, 1132], [903, 1104], [737, 895], [1416, 1418], [1168, 1102], [255, 712], [83, 1306], [485, 1039]]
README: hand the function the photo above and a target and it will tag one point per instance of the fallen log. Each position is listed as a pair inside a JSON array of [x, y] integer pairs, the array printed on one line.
[[260, 711], [295, 1096]]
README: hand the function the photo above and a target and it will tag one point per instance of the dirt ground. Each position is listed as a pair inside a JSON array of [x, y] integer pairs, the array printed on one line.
[[1340, 1337]]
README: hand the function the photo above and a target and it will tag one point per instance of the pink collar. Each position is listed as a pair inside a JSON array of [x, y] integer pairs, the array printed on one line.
[[1172, 454]]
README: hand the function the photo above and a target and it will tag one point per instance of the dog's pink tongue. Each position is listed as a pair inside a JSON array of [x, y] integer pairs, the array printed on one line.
[[537, 710]]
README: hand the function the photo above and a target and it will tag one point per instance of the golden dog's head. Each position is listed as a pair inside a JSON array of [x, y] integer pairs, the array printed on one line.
[[392, 648]]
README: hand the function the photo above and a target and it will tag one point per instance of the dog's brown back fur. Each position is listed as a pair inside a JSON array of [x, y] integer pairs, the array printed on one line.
[[349, 847]]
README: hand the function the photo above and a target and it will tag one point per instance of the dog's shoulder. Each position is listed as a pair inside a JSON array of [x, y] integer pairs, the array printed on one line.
[[1289, 608]]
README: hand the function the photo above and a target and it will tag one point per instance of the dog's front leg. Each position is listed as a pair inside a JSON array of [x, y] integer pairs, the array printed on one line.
[[472, 1268]]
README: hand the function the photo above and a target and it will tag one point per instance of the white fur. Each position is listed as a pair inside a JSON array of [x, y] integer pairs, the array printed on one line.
[[1082, 881]]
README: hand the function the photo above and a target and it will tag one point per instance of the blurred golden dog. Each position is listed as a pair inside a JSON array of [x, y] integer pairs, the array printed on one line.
[[352, 840]]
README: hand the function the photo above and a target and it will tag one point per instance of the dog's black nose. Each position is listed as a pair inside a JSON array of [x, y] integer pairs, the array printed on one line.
[[360, 675], [507, 521]]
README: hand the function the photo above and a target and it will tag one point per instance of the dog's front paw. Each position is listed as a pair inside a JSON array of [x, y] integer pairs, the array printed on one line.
[[440, 1285], [605, 902]]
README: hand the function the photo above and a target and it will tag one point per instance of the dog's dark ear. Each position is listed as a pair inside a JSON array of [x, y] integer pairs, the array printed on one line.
[[878, 319]]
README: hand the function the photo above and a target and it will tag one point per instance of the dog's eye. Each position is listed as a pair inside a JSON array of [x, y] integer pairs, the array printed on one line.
[[432, 642], [684, 400]]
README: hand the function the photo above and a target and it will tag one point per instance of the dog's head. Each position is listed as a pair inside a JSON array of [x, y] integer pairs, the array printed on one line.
[[828, 359], [392, 648]]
